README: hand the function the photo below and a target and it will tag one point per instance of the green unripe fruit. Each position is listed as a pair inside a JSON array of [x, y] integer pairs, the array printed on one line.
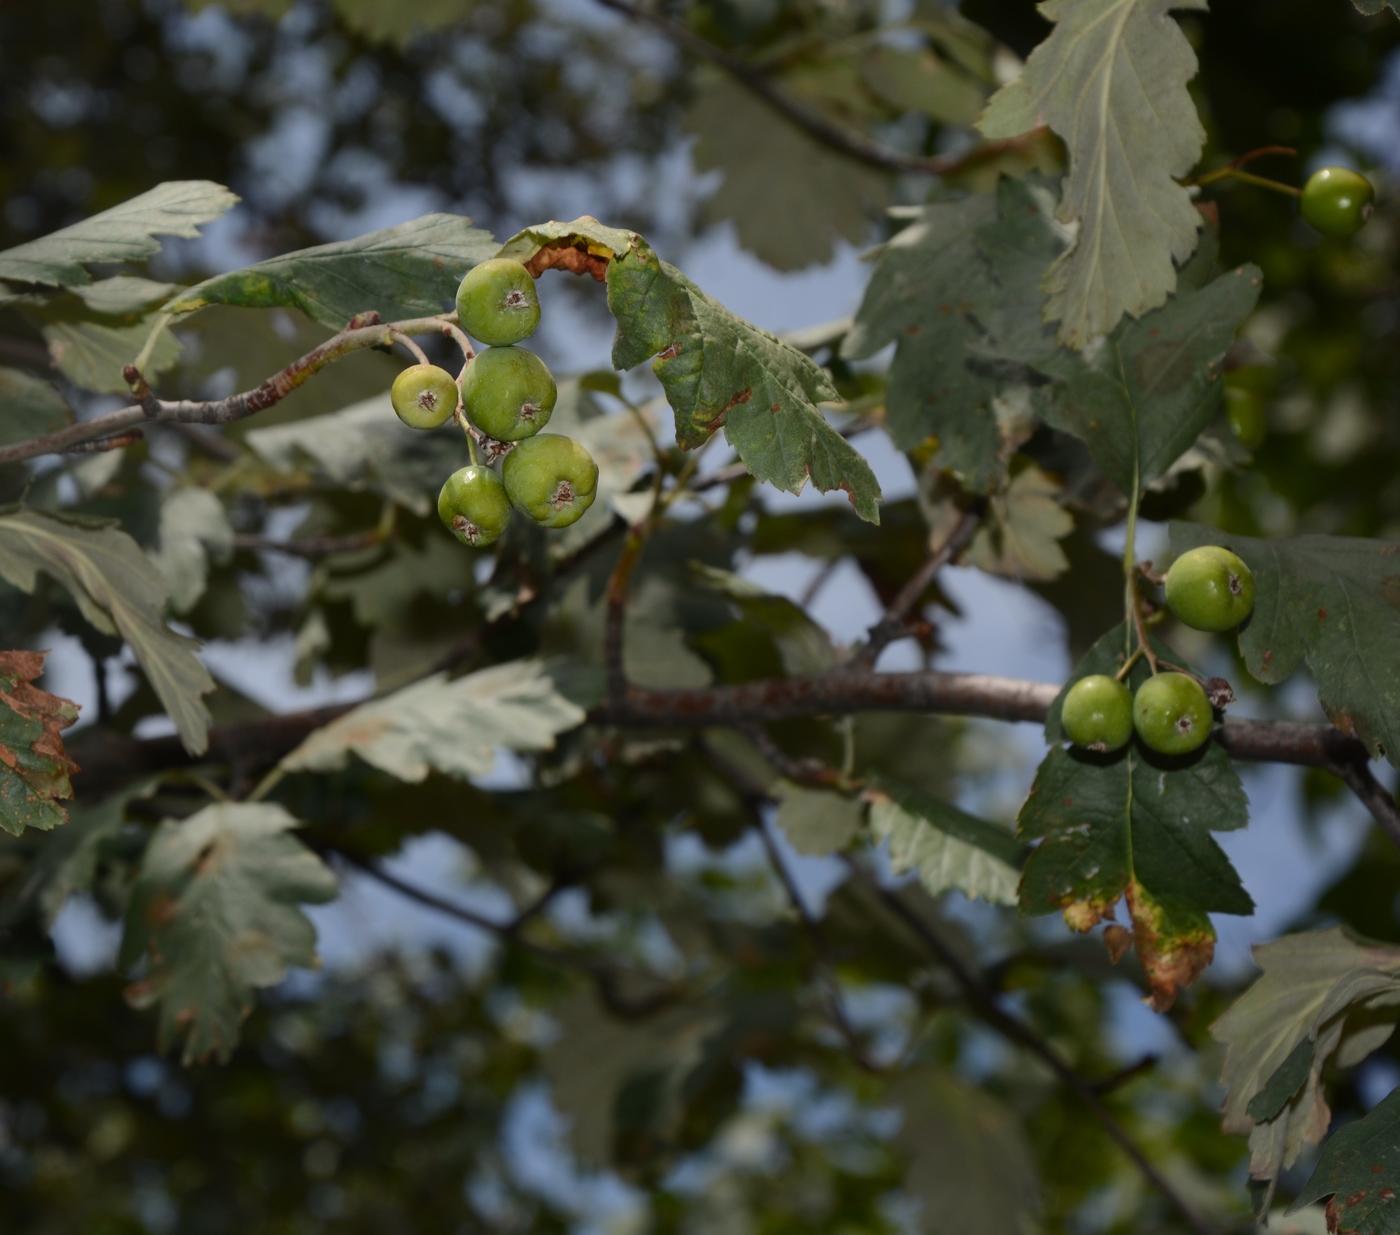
[[1210, 588], [473, 505], [1098, 713], [424, 396], [509, 393], [1245, 411], [551, 478], [1337, 201], [497, 303], [1172, 714]]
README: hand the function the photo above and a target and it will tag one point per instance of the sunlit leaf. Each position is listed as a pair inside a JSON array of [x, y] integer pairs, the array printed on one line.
[[946, 847], [1111, 81], [126, 233], [454, 726], [121, 593]]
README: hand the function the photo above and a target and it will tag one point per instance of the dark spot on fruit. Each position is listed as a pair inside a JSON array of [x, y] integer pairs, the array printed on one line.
[[528, 411], [1184, 724], [1236, 587], [465, 527], [427, 400], [515, 299], [563, 495]]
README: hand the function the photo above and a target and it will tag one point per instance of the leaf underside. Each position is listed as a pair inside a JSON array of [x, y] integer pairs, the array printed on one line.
[[1111, 82]]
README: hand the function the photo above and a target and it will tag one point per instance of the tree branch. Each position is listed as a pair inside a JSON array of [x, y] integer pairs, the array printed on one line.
[[149, 409], [849, 142]]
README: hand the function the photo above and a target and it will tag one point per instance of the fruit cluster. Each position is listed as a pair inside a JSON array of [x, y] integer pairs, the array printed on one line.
[[508, 395], [1208, 588]]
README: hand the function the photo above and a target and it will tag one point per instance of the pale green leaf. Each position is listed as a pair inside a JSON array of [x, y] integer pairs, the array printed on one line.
[[453, 726], [817, 821], [93, 354], [216, 914], [789, 196], [1020, 537], [407, 271], [946, 847], [126, 233], [29, 407], [1111, 82], [1285, 1029], [34, 766], [366, 447], [194, 531], [121, 593], [969, 1162], [122, 295], [1372, 7]]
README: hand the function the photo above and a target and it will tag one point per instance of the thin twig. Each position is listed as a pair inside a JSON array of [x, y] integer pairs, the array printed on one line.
[[836, 1004], [148, 408], [605, 977], [985, 1002], [857, 145], [1376, 798], [892, 625], [418, 353]]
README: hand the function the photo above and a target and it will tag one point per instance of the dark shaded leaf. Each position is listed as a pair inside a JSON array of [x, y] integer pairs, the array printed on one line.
[[1359, 1171], [34, 766]]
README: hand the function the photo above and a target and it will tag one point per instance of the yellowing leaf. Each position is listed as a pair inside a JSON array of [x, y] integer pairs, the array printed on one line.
[[454, 726], [1111, 81], [215, 913], [120, 592]]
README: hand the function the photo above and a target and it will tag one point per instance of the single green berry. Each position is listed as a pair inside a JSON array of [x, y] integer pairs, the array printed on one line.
[[1098, 713], [1337, 201], [1210, 588], [509, 393], [496, 302], [424, 396], [473, 505], [1172, 714], [551, 478], [1245, 411]]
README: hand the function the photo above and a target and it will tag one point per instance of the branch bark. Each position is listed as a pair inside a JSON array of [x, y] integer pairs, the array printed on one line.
[[149, 409]]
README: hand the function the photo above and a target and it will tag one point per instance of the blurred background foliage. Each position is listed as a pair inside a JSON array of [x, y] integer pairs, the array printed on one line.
[[422, 1090]]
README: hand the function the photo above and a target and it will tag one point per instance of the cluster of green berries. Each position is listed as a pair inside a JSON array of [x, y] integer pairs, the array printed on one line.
[[1337, 201], [509, 395], [1208, 588]]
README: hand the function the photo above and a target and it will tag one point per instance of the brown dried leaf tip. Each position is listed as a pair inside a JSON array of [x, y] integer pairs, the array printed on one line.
[[34, 766]]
